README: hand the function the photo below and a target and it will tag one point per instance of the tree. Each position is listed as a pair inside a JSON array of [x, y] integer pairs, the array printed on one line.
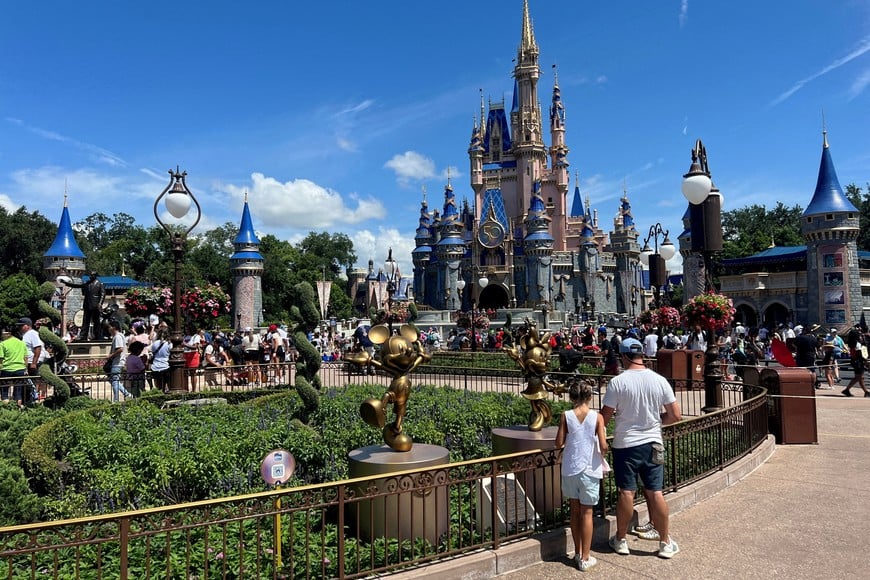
[[24, 239], [861, 201], [751, 229], [20, 295]]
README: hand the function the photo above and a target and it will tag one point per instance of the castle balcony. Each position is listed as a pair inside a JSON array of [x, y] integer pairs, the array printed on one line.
[[764, 282]]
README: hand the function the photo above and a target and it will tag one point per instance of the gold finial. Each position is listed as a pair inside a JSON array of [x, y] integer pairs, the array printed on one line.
[[624, 188], [555, 75], [423, 187], [246, 196], [772, 243], [65, 192], [448, 176]]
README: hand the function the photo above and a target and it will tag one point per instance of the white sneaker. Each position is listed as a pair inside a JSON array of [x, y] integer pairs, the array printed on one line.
[[584, 565], [668, 550], [619, 546], [646, 532]]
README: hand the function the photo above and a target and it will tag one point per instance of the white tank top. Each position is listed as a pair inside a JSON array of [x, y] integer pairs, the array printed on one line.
[[581, 453]]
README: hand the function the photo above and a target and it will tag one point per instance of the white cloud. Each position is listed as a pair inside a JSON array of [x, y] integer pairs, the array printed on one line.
[[863, 46], [304, 204], [97, 153], [362, 106], [411, 165], [684, 12], [859, 84], [346, 145], [7, 203], [374, 246]]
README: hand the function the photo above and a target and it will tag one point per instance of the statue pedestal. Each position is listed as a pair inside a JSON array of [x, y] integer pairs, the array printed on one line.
[[543, 486], [420, 512]]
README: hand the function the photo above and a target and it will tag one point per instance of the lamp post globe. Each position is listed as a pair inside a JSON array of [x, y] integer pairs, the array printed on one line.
[[178, 199]]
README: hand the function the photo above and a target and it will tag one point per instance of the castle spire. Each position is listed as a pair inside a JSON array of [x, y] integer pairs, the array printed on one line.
[[528, 37], [828, 196]]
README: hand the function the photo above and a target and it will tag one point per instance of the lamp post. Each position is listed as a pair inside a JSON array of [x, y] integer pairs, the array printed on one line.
[[482, 283], [178, 199], [656, 258], [705, 209], [391, 270]]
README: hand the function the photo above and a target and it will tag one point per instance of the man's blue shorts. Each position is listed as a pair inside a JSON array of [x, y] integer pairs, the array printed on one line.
[[631, 462]]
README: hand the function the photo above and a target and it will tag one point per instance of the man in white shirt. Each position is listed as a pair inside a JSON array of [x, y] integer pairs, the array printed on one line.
[[34, 346], [642, 401], [650, 344]]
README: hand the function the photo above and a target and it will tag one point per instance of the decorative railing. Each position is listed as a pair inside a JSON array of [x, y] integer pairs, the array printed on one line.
[[331, 530]]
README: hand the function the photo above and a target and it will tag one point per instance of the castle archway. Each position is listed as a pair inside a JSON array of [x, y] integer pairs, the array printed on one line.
[[746, 315], [494, 296], [775, 314]]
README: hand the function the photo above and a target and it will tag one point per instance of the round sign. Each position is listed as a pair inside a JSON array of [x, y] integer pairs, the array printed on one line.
[[79, 318], [278, 467]]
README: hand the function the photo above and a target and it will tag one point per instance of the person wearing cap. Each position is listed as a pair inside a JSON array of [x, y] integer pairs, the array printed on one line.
[[805, 346], [636, 398], [834, 337]]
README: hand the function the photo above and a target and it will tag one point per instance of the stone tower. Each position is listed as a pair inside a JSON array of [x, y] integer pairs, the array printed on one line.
[[247, 267], [830, 226], [626, 251], [64, 257]]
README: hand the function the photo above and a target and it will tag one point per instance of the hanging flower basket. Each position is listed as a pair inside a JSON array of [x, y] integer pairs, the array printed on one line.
[[711, 311]]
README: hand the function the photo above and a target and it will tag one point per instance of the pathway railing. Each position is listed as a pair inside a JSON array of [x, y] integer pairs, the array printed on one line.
[[326, 530]]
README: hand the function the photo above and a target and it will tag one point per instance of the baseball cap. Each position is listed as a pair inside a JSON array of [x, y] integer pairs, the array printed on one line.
[[630, 346], [24, 320]]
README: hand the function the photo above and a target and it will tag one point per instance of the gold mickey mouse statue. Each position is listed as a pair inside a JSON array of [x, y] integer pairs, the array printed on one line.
[[400, 355], [533, 358]]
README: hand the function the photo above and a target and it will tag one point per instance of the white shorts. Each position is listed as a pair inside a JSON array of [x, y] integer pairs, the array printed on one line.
[[581, 487]]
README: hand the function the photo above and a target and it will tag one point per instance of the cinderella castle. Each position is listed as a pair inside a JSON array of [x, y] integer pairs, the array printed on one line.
[[519, 245]]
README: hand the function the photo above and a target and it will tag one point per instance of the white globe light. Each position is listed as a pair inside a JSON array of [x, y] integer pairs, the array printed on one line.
[[460, 284], [644, 256], [667, 251], [483, 281], [63, 279], [177, 204], [696, 188]]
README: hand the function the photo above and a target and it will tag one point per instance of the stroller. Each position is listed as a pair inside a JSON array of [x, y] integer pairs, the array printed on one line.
[[66, 372]]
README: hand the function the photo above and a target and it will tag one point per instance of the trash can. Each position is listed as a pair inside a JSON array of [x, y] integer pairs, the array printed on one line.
[[792, 404], [672, 364]]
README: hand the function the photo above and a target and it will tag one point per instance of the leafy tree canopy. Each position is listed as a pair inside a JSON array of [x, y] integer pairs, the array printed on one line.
[[751, 229]]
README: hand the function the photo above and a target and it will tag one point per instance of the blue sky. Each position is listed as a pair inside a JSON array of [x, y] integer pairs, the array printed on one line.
[[334, 115]]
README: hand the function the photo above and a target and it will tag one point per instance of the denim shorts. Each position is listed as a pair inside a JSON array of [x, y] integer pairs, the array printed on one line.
[[631, 462], [581, 487]]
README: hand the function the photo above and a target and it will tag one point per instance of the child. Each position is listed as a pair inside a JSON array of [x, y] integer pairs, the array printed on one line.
[[582, 433]]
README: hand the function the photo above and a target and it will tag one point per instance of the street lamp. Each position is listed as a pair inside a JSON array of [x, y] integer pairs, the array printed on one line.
[[482, 282], [178, 199], [656, 258], [705, 211], [391, 270]]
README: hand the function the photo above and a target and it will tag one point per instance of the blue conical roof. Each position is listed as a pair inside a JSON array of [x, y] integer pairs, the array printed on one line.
[[828, 196], [577, 204], [64, 245], [515, 105], [246, 235]]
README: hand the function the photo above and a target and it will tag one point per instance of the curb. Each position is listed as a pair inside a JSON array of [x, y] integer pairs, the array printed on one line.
[[557, 543]]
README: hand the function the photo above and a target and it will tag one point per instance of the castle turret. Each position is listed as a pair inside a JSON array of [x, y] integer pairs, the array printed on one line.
[[422, 253], [450, 250], [538, 249], [626, 250], [64, 257], [247, 267], [830, 226]]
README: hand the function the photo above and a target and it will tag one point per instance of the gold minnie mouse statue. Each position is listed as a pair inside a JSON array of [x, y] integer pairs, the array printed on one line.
[[533, 358], [399, 356]]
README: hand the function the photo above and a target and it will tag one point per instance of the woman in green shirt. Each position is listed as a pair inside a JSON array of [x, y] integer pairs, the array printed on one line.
[[13, 354]]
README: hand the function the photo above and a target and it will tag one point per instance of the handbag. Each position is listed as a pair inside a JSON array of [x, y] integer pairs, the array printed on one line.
[[107, 367]]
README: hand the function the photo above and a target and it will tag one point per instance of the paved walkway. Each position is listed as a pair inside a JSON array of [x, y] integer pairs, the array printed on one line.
[[803, 514]]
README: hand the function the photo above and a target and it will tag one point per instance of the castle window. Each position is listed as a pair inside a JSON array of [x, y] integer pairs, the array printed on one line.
[[829, 217], [809, 220]]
